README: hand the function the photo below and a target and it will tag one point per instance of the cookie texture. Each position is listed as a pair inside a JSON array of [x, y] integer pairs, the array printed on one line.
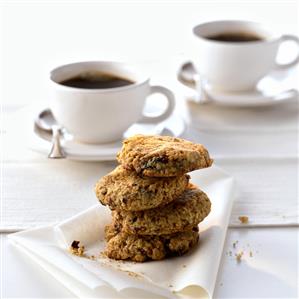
[[162, 156], [124, 189], [182, 214], [123, 246]]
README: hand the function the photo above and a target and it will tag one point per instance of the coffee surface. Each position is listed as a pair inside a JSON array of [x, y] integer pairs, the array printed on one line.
[[96, 80], [235, 37]]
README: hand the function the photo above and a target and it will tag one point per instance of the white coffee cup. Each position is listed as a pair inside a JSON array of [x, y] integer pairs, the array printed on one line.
[[103, 115], [238, 66]]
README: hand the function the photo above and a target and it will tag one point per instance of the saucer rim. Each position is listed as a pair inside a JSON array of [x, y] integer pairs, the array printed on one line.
[[35, 140], [265, 101]]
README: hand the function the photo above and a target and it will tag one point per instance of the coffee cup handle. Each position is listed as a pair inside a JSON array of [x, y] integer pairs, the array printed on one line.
[[165, 114], [284, 38]]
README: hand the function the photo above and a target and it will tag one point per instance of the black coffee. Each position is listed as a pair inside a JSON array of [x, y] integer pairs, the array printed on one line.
[[235, 37], [96, 80]]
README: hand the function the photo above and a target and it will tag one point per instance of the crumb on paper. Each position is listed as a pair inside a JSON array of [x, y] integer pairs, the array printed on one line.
[[76, 249], [170, 286], [235, 244], [75, 244], [239, 256], [244, 219], [250, 254], [132, 274], [184, 266]]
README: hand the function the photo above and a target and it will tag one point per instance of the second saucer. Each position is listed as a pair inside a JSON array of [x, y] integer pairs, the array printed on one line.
[[269, 91]]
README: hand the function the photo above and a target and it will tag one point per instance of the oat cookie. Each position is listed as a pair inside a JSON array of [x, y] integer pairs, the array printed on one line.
[[112, 229], [124, 189], [122, 246], [182, 214], [162, 156]]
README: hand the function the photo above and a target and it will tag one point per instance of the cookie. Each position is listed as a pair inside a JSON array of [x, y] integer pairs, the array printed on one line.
[[122, 246], [182, 214], [162, 156], [124, 189], [111, 230]]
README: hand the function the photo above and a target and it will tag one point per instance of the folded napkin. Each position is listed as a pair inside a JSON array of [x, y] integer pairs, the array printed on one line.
[[190, 276]]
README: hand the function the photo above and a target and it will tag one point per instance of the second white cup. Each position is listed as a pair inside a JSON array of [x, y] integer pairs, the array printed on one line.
[[237, 66]]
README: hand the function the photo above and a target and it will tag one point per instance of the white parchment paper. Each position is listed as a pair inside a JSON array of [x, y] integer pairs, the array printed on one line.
[[190, 276]]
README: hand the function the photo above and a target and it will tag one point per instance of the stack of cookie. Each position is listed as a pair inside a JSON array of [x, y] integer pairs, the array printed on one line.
[[155, 210]]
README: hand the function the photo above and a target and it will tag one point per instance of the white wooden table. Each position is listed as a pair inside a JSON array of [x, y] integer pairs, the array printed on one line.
[[258, 147]]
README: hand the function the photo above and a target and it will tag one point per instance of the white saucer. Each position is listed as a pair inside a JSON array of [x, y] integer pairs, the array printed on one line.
[[173, 126], [276, 88], [264, 95]]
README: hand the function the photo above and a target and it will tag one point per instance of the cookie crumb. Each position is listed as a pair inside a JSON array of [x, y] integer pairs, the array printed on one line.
[[184, 266], [244, 219], [76, 249], [75, 244], [132, 274], [239, 256], [250, 254], [91, 257], [170, 286], [235, 244]]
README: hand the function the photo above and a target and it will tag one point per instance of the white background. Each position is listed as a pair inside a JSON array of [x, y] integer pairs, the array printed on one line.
[[39, 35]]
